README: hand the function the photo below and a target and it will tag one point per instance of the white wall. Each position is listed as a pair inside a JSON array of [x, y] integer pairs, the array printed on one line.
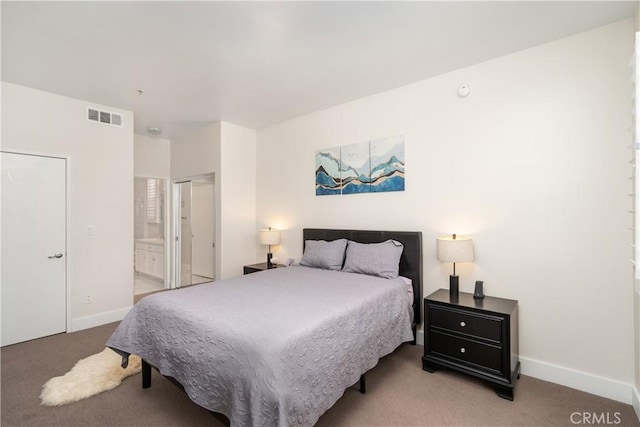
[[100, 194], [238, 197], [151, 157], [636, 400], [533, 165], [229, 151], [198, 153]]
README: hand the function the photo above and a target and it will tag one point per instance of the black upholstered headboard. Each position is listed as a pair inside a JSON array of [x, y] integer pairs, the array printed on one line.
[[410, 262]]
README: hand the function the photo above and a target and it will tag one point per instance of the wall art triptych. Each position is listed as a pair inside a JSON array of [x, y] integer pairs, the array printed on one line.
[[366, 167]]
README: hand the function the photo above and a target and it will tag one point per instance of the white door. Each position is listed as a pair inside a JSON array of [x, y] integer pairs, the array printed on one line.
[[33, 247], [202, 220]]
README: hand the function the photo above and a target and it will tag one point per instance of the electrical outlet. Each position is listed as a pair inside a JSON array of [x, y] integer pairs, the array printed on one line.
[[88, 299]]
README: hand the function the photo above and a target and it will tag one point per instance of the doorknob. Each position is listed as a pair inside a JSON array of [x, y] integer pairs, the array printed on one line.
[[58, 255]]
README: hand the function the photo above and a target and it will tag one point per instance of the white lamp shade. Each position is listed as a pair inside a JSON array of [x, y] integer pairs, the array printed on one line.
[[459, 249], [269, 237]]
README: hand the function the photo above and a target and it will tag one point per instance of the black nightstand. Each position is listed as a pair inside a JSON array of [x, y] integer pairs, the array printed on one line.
[[254, 268], [475, 336]]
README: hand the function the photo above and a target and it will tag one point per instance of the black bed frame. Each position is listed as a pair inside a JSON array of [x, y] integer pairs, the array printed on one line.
[[410, 261], [410, 267]]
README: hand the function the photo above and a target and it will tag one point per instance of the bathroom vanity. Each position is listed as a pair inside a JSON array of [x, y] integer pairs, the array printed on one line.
[[149, 257]]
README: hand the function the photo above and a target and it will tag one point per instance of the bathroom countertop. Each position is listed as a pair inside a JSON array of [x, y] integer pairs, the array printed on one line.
[[151, 241]]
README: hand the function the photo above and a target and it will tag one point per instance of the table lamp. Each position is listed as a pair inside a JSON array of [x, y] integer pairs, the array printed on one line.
[[269, 237], [454, 249]]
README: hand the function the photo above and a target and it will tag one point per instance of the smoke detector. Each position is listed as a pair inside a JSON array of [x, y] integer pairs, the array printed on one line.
[[154, 130], [464, 91]]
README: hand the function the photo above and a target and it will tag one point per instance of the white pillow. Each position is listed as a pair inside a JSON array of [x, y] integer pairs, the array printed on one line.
[[376, 259], [323, 254]]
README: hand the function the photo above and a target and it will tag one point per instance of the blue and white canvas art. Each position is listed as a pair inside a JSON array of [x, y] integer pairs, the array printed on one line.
[[372, 166], [355, 168], [328, 172], [387, 164]]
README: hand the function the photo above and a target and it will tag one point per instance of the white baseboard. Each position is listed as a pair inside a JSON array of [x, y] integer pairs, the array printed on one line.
[[583, 381], [99, 319]]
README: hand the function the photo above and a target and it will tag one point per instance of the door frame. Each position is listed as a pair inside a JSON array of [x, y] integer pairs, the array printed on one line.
[[176, 237], [167, 226], [67, 241], [176, 201]]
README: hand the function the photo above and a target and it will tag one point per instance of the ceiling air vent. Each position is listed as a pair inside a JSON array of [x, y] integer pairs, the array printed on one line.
[[105, 117], [116, 119], [93, 115]]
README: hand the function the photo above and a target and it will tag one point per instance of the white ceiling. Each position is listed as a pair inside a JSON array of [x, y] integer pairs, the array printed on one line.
[[258, 63]]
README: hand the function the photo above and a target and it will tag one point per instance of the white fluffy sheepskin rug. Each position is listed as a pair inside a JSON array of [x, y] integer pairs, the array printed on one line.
[[88, 377]]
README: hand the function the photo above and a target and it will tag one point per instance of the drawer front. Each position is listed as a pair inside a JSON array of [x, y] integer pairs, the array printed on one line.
[[487, 357], [486, 327], [149, 248]]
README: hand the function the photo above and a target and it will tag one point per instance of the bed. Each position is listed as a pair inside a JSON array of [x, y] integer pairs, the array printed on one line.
[[278, 347]]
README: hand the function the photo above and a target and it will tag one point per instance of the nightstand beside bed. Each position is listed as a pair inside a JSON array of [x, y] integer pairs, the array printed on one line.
[[254, 268], [478, 337]]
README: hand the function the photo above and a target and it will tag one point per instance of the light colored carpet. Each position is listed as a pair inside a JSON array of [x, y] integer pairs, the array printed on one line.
[[399, 393], [88, 377]]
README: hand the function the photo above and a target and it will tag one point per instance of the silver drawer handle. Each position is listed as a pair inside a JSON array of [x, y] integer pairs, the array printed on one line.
[[58, 255], [462, 350], [463, 324]]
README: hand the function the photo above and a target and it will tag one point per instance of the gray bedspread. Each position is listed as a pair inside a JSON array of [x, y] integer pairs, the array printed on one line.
[[274, 348]]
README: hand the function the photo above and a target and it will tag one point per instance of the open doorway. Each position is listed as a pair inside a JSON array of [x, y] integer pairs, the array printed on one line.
[[150, 228], [195, 230]]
